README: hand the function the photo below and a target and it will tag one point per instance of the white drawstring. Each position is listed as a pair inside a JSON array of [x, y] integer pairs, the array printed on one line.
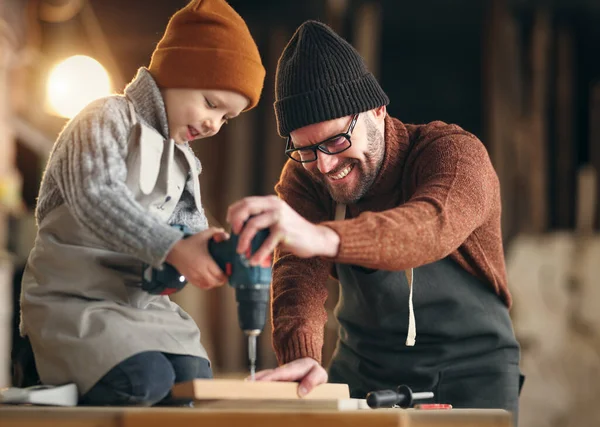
[[412, 326], [340, 214]]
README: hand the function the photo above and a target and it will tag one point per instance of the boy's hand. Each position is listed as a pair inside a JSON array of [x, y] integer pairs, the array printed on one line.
[[193, 261], [289, 230]]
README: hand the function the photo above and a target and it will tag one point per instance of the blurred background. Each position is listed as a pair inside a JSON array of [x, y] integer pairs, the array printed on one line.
[[522, 75]]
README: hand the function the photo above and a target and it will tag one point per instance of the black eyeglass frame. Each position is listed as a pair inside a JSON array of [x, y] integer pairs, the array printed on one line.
[[318, 146]]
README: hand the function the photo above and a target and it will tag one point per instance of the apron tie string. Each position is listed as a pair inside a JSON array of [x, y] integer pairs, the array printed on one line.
[[412, 325], [340, 214]]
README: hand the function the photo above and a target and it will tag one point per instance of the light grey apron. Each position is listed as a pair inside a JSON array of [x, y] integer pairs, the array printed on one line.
[[460, 327], [82, 306]]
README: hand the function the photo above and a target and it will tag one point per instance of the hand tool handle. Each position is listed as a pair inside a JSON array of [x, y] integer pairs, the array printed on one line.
[[403, 397], [382, 399]]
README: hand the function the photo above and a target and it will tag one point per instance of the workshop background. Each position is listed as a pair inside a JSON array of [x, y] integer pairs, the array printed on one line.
[[523, 75]]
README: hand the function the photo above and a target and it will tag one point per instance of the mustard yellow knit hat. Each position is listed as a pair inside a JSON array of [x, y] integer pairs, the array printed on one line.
[[207, 45]]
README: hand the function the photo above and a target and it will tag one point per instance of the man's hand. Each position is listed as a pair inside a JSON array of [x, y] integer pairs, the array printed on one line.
[[290, 231], [306, 370], [191, 258]]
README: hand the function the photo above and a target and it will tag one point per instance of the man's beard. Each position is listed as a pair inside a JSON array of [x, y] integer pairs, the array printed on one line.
[[366, 171]]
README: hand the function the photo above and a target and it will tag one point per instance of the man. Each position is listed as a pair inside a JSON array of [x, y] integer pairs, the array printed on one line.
[[382, 205]]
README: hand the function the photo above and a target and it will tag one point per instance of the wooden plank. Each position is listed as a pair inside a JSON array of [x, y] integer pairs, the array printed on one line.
[[564, 156], [502, 83], [594, 137], [193, 418], [537, 160], [367, 34], [291, 405], [8, 191], [184, 417], [32, 416], [255, 390], [371, 418], [335, 13], [460, 418], [586, 200]]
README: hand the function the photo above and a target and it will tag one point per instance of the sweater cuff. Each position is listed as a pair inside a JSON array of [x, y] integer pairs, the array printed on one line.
[[163, 241], [300, 345], [353, 246]]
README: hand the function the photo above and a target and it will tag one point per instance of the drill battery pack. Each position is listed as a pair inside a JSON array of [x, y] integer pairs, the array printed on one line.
[[165, 280]]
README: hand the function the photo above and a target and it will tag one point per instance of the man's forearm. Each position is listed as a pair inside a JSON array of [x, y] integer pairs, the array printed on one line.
[[298, 306]]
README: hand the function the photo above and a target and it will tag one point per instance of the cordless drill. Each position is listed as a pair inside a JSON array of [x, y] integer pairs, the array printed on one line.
[[251, 283]]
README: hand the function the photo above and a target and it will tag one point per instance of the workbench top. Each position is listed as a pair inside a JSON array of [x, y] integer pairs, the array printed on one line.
[[29, 416]]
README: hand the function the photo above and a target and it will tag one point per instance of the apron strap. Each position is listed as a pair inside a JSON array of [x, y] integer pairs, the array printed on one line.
[[340, 214], [131, 111]]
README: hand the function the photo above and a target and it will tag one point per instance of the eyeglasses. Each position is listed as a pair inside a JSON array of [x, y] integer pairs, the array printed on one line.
[[333, 145]]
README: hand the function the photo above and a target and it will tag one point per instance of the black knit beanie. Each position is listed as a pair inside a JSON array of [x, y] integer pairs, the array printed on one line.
[[321, 77]]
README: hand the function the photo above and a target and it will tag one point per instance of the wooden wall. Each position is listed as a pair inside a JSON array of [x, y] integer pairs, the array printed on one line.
[[521, 76], [11, 43]]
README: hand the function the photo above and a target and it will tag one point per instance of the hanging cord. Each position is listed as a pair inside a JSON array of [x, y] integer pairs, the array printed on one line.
[[340, 214], [412, 325]]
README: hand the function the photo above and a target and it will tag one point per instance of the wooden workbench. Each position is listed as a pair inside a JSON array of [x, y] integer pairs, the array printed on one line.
[[13, 416]]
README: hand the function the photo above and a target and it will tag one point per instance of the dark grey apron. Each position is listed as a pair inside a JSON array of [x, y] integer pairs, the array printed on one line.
[[465, 350]]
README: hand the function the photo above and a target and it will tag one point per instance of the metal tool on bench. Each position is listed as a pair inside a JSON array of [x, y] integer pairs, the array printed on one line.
[[402, 397], [251, 283]]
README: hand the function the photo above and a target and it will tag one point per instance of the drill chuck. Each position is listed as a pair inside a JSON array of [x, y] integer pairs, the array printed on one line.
[[252, 304]]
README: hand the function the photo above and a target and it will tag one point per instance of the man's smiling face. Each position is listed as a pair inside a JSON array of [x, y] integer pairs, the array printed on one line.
[[350, 174]]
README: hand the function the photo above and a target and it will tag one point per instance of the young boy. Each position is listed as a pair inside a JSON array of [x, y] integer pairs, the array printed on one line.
[[120, 175]]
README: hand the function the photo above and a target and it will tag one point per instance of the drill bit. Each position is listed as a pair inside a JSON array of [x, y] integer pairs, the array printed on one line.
[[252, 355]]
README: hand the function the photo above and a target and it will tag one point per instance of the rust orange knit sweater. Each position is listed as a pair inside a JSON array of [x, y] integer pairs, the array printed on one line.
[[437, 195]]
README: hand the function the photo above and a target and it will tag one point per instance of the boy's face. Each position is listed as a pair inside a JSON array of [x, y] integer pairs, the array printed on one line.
[[200, 113]]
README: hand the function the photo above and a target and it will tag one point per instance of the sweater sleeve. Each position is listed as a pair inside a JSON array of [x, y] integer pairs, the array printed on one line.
[[455, 186], [90, 171], [299, 288]]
